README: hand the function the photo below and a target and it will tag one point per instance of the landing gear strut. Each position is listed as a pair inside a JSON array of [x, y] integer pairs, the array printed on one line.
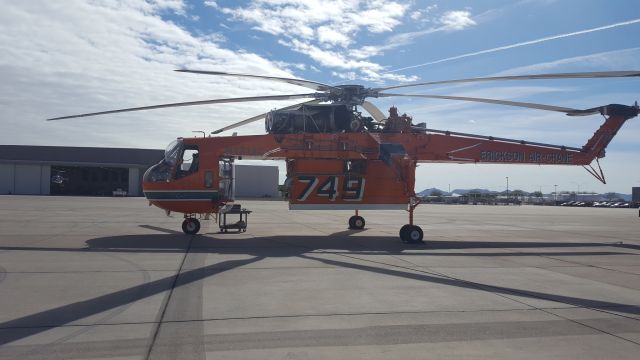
[[190, 226], [409, 233], [356, 222]]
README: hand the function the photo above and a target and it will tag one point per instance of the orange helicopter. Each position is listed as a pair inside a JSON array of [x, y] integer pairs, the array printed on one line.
[[339, 159]]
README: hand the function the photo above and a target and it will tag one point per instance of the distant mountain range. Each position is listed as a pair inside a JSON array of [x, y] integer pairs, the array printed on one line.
[[436, 191], [428, 192]]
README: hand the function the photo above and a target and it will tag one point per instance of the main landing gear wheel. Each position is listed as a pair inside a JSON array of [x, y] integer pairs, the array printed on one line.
[[191, 226], [356, 222], [411, 234]]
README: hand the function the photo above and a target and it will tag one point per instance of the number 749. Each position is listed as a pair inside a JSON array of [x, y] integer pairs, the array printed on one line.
[[352, 188]]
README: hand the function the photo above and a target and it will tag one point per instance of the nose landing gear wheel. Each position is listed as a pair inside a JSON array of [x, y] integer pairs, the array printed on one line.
[[356, 222], [191, 226], [411, 234]]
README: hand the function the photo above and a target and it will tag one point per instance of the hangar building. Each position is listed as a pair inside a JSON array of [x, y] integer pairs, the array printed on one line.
[[89, 171]]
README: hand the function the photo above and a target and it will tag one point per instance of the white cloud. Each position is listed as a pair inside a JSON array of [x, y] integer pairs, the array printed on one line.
[[83, 57], [325, 31], [394, 42], [457, 20], [351, 76], [328, 35], [416, 15], [292, 18], [380, 16], [450, 21], [421, 14], [368, 71], [211, 3], [329, 58], [287, 65]]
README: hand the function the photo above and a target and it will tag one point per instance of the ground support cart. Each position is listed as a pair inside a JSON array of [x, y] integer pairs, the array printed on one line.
[[240, 225]]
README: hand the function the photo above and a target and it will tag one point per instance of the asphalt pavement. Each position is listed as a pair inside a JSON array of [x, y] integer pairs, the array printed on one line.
[[111, 278]]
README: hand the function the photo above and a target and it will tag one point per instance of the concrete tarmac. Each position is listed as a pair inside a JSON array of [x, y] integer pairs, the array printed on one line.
[[111, 278]]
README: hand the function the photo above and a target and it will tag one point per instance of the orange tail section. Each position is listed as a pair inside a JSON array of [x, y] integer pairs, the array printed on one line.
[[616, 115]]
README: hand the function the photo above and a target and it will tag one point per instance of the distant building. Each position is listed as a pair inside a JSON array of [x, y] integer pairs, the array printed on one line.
[[89, 171], [635, 194], [61, 170]]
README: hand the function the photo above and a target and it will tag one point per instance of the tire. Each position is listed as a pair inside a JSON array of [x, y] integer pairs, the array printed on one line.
[[403, 231], [191, 226], [356, 222], [411, 234]]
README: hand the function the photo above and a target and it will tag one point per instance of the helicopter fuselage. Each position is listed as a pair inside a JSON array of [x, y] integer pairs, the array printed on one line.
[[347, 170]]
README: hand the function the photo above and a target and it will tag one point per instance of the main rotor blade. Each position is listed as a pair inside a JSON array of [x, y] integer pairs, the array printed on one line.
[[191, 103], [374, 111], [578, 75], [568, 111], [261, 116], [306, 83]]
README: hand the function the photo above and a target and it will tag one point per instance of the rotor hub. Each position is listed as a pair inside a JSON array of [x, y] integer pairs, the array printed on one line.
[[349, 94]]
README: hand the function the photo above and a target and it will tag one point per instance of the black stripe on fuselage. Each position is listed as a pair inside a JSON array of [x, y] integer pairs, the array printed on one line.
[[181, 195]]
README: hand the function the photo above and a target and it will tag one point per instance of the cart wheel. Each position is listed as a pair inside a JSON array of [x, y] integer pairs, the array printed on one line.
[[191, 226]]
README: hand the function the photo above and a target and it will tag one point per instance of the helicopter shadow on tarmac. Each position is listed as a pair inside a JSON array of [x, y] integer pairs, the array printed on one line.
[[305, 247], [343, 241]]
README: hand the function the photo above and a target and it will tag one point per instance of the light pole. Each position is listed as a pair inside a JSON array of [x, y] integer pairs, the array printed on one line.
[[555, 193], [507, 189], [578, 185], [578, 193]]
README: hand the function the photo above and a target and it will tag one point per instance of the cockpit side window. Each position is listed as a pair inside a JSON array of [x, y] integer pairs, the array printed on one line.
[[188, 162]]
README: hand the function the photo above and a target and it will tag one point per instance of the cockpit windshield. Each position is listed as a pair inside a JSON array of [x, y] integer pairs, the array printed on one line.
[[162, 171], [173, 151]]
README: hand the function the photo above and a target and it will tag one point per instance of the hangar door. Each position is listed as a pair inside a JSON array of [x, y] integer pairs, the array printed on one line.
[[87, 180], [27, 179]]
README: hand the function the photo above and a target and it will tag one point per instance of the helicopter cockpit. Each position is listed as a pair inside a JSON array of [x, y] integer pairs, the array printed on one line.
[[175, 164]]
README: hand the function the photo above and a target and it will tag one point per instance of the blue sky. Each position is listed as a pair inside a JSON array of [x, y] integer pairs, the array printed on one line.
[[62, 58]]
